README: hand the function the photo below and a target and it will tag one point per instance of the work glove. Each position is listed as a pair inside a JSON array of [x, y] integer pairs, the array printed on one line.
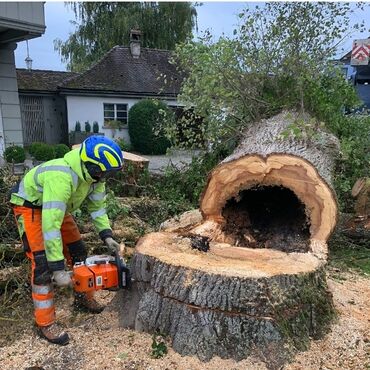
[[62, 278], [112, 244]]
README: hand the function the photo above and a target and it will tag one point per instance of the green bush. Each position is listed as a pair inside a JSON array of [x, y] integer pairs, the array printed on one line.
[[95, 127], [61, 150], [44, 152], [144, 124], [87, 126], [14, 154], [123, 144], [33, 147]]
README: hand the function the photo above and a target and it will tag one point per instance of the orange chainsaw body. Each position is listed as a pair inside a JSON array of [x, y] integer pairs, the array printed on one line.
[[91, 277]]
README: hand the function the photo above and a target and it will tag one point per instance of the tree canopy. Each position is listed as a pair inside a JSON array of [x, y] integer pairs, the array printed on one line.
[[102, 25], [280, 57]]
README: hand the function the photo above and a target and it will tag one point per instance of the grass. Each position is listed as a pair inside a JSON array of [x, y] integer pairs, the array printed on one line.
[[347, 254]]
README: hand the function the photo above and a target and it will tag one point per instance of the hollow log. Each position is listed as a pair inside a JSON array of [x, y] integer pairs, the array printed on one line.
[[245, 275], [289, 178]]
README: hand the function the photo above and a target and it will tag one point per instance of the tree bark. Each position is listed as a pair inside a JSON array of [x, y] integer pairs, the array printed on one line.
[[229, 302], [265, 159], [245, 275]]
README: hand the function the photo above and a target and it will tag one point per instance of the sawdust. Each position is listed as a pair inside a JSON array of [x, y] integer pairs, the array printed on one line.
[[99, 343]]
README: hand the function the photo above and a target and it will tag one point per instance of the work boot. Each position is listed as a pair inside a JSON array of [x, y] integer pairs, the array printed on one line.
[[84, 302], [54, 334]]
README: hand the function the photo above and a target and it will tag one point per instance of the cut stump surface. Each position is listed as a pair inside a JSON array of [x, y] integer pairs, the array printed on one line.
[[229, 301]]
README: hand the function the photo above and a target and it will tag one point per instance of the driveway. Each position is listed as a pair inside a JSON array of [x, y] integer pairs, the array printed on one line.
[[177, 158], [159, 163]]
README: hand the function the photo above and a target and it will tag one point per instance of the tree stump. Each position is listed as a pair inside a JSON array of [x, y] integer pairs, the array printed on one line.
[[247, 277], [228, 301]]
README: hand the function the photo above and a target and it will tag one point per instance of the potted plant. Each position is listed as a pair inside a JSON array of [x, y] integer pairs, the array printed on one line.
[[87, 127], [78, 126], [15, 156], [114, 125], [77, 136], [95, 127]]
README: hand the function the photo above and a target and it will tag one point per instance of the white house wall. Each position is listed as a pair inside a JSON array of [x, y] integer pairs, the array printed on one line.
[[82, 109]]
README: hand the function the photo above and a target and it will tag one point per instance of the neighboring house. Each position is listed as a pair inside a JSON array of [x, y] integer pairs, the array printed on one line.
[[52, 102], [19, 21], [43, 110], [112, 86], [360, 76]]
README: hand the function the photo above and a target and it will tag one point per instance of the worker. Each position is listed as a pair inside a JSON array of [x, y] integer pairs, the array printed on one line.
[[42, 204]]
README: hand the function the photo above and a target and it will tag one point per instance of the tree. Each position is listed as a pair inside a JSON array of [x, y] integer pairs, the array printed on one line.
[[102, 25], [280, 57]]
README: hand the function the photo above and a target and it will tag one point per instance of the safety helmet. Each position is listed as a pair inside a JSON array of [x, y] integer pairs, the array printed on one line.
[[101, 156]]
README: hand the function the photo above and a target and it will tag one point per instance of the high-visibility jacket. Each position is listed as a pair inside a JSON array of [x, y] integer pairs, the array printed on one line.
[[60, 186]]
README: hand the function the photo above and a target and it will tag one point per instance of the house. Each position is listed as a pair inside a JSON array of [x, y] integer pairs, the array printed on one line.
[[360, 77], [43, 110], [19, 21], [103, 93], [112, 86]]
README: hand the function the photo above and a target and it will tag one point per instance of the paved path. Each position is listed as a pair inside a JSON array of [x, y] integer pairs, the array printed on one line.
[[178, 158], [159, 163]]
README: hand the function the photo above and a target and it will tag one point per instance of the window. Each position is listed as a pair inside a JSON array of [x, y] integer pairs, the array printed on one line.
[[116, 112]]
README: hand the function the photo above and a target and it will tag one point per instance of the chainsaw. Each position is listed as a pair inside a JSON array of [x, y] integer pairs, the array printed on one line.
[[101, 272]]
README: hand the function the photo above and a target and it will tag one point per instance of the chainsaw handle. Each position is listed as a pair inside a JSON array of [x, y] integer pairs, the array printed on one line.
[[122, 269]]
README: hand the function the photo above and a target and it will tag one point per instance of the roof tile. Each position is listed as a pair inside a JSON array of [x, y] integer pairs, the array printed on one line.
[[41, 80], [118, 71]]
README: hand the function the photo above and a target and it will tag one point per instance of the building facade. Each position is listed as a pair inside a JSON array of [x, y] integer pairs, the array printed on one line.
[[19, 21]]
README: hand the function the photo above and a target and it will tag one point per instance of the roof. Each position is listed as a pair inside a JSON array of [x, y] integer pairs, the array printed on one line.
[[41, 80], [119, 72], [346, 58]]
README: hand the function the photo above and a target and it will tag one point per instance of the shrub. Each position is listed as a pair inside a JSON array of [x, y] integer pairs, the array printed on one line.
[[123, 144], [14, 154], [44, 152], [61, 150], [95, 127], [78, 126], [33, 147], [87, 126], [144, 126]]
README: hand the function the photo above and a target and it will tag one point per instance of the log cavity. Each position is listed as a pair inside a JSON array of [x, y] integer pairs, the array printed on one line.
[[267, 217]]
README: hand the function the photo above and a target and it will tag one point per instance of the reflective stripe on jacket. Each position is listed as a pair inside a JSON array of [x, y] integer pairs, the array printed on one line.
[[60, 186]]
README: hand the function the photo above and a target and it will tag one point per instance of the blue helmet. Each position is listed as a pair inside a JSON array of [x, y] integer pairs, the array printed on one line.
[[102, 152]]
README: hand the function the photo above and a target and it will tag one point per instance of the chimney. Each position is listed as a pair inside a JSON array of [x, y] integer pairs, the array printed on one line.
[[28, 60], [135, 36]]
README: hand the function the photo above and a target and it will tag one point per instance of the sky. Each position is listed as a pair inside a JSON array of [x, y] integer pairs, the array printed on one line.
[[219, 17]]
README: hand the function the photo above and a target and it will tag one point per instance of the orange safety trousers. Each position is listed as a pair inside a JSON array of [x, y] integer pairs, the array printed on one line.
[[30, 229]]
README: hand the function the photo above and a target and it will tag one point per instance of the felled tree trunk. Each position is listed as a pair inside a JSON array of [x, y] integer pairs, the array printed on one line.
[[281, 186], [246, 274]]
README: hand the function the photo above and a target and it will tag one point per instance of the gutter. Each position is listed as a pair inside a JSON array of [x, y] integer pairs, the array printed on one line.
[[115, 94]]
